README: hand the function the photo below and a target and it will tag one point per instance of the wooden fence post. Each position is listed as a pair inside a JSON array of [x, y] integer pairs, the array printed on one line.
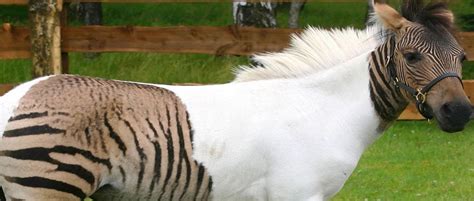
[[45, 36]]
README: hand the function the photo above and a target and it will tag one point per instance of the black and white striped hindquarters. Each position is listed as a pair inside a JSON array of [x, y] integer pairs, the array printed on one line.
[[73, 137]]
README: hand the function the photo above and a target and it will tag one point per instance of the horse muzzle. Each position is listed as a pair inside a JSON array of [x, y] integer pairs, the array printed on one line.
[[453, 116]]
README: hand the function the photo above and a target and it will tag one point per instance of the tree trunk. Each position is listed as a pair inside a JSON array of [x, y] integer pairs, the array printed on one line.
[[260, 14], [296, 7], [45, 36]]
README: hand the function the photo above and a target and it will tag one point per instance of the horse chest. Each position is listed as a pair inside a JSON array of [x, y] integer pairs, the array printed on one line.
[[285, 173], [291, 162]]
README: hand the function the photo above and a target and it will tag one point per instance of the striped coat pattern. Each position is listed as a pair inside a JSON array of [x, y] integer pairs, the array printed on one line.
[[129, 140]]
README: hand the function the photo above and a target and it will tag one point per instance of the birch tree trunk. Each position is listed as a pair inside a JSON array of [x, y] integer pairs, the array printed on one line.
[[295, 8], [260, 14], [45, 36]]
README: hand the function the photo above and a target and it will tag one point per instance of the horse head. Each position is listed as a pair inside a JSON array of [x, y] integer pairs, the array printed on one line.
[[425, 61]]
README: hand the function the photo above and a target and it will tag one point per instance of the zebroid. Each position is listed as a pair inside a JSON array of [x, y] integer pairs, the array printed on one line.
[[291, 127]]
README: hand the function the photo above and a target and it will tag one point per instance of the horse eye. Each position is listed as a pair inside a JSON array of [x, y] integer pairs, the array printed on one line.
[[412, 57]]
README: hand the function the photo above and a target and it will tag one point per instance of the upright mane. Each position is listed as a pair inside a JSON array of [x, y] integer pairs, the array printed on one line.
[[436, 16], [312, 51]]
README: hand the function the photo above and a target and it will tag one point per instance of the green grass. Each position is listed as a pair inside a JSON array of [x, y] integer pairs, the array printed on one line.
[[142, 67], [411, 161], [415, 161], [159, 68]]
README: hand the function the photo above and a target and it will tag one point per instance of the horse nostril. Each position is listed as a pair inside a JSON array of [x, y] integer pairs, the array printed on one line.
[[447, 109], [453, 116], [456, 112]]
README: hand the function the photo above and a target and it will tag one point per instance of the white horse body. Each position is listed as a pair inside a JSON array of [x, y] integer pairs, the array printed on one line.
[[294, 135], [270, 139]]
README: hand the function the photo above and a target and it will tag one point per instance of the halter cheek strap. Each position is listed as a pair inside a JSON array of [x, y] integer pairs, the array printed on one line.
[[420, 93]]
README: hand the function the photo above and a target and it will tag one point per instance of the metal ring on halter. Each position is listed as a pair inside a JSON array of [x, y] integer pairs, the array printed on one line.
[[420, 96], [389, 58]]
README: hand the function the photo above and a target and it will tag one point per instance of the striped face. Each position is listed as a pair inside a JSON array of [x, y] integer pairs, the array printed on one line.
[[424, 54]]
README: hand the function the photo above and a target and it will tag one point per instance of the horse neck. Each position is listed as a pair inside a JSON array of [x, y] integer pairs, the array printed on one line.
[[388, 100]]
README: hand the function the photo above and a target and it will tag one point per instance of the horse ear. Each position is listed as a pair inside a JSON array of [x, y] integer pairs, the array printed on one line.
[[389, 16]]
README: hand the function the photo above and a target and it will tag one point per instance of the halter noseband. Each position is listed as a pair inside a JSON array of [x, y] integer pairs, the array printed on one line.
[[420, 93]]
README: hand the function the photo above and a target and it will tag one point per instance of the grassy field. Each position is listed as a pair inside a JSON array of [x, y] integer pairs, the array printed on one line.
[[415, 161], [411, 161]]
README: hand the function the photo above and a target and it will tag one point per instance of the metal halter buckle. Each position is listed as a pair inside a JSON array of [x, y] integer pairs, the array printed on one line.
[[420, 96], [396, 81]]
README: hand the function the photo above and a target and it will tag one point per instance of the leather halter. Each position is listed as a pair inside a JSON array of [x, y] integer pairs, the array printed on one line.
[[420, 93]]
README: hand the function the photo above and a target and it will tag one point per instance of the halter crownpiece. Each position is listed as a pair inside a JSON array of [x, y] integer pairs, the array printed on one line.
[[420, 93]]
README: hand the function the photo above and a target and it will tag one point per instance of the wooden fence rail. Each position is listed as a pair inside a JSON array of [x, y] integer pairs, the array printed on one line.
[[226, 40], [232, 40], [4, 88]]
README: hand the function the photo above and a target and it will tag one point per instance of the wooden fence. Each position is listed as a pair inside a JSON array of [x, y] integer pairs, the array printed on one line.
[[226, 40]]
